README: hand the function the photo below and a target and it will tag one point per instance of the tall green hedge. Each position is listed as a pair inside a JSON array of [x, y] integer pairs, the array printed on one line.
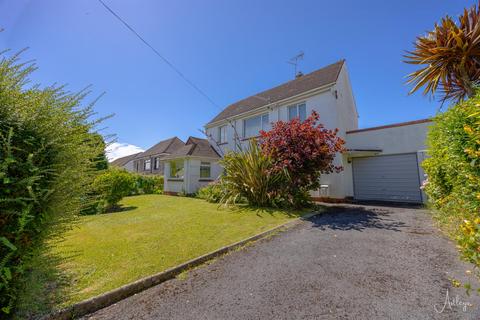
[[48, 157], [453, 173]]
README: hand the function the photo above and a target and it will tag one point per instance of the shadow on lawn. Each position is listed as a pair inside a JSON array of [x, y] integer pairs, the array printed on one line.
[[120, 209], [46, 284], [359, 219]]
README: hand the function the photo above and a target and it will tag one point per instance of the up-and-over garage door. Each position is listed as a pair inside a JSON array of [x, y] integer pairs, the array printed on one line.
[[387, 178]]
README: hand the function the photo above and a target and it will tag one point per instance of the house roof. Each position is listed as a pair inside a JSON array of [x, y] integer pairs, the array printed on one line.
[[319, 78], [165, 146], [120, 162], [195, 147]]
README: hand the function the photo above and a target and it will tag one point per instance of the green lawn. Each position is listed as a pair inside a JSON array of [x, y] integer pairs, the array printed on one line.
[[153, 233]]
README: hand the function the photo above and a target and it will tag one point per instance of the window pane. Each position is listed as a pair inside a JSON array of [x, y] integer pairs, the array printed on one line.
[[147, 164], [176, 169], [265, 124], [222, 134], [205, 170], [251, 127], [292, 112], [302, 111]]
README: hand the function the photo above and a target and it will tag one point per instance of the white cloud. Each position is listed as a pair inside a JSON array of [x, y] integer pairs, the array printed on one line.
[[117, 150]]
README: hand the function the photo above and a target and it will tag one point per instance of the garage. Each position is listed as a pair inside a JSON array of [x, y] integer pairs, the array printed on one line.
[[387, 178]]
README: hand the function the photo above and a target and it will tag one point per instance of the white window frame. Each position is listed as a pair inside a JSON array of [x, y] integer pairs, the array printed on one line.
[[264, 124], [222, 134], [205, 165], [297, 111], [179, 172], [147, 164], [156, 163]]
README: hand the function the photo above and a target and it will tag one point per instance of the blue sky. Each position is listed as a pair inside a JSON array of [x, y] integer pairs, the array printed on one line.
[[231, 49]]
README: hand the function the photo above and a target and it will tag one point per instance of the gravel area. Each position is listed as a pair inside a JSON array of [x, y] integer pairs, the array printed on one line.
[[350, 263]]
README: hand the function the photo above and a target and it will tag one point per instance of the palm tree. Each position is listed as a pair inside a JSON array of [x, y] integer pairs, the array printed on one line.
[[449, 56]]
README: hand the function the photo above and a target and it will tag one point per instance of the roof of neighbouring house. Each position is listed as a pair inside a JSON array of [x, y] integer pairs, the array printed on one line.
[[195, 147], [319, 78], [120, 162], [165, 146]]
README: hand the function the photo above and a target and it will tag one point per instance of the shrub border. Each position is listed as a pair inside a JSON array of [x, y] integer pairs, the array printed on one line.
[[108, 298]]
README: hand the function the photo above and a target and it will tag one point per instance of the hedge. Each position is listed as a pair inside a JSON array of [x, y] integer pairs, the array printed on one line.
[[453, 173], [48, 160]]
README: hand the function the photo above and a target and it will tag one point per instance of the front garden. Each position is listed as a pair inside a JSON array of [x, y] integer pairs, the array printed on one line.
[[150, 234]]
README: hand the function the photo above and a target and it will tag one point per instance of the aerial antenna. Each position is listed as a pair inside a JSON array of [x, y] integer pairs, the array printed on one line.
[[294, 61]]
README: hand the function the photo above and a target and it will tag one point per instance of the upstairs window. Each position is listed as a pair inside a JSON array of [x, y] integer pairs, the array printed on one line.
[[297, 111], [222, 134], [205, 169], [252, 126], [176, 169], [147, 165]]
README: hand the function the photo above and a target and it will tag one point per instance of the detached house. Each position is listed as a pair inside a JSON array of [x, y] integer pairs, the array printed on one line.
[[381, 163]]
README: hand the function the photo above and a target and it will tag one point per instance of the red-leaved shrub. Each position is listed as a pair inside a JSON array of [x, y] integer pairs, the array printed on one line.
[[305, 149]]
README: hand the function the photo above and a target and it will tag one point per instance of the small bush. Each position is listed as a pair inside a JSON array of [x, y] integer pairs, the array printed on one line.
[[112, 186], [148, 184], [212, 193]]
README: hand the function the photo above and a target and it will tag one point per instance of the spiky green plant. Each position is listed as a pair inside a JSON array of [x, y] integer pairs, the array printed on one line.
[[450, 56], [249, 175]]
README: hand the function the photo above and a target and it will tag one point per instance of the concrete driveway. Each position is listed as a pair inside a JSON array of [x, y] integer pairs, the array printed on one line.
[[351, 263]]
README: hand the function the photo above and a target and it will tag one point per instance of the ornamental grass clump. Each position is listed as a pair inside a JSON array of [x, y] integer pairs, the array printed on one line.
[[249, 176]]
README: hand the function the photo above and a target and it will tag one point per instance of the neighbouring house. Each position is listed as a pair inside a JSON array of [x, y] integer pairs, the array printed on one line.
[[125, 162], [150, 161], [381, 163], [191, 167]]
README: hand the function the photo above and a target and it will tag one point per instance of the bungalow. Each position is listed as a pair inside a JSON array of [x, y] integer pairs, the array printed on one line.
[[186, 166], [125, 162], [191, 167], [381, 163], [149, 161]]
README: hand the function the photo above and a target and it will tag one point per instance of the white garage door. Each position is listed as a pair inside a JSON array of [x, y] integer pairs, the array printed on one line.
[[387, 178]]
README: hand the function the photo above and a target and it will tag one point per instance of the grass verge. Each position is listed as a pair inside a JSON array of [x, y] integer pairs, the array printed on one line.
[[152, 233]]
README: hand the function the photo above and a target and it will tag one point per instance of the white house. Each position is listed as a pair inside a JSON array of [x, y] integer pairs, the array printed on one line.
[[191, 167], [382, 163]]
